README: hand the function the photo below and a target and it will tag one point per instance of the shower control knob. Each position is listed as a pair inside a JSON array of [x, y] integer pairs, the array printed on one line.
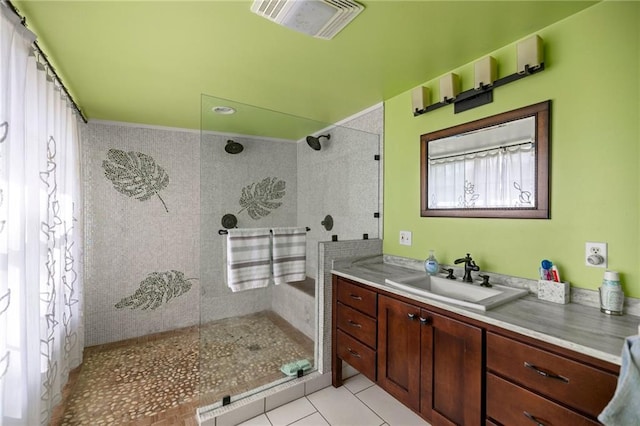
[[327, 222]]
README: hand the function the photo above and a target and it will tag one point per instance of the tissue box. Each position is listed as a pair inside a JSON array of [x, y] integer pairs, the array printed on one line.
[[555, 292]]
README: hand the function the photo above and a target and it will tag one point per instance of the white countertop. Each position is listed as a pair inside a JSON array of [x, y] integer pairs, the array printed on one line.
[[577, 327]]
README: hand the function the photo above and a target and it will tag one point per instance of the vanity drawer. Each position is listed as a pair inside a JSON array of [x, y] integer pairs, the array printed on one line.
[[356, 354], [578, 385], [357, 297], [357, 325], [512, 405]]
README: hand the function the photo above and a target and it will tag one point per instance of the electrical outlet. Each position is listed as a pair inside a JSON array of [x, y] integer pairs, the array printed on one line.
[[596, 254], [405, 238]]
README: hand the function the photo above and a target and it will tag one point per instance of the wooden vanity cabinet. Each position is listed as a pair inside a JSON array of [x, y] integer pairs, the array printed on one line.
[[509, 404], [528, 383], [354, 330], [451, 370], [430, 362], [399, 350], [457, 371]]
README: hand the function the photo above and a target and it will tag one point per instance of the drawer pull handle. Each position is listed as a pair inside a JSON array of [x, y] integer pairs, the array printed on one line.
[[411, 316], [533, 418], [354, 324], [354, 353], [355, 297], [546, 373], [425, 321]]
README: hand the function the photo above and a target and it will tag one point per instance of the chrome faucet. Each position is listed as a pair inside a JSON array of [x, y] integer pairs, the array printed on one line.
[[469, 265]]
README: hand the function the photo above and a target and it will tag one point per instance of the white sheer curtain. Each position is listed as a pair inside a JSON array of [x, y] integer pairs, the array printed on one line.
[[41, 336], [504, 177]]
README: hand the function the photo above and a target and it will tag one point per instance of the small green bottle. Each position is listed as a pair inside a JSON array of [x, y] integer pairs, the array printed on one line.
[[431, 265]]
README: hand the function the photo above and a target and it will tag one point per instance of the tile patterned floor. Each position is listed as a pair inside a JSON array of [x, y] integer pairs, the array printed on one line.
[[162, 379], [243, 353], [358, 402]]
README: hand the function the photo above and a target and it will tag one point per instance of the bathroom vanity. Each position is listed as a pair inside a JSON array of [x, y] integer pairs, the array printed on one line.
[[454, 366]]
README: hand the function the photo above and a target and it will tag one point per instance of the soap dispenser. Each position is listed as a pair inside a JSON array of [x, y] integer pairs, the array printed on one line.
[[431, 265]]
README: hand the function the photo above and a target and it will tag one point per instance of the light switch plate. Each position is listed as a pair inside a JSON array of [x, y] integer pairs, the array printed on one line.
[[405, 238]]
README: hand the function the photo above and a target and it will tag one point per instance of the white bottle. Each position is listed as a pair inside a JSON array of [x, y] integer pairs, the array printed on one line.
[[611, 294]]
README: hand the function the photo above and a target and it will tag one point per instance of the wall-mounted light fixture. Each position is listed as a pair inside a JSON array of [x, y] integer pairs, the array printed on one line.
[[486, 72], [530, 54], [420, 98], [530, 60], [449, 87]]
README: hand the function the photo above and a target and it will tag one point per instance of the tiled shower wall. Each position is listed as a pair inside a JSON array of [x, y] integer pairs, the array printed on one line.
[[224, 176], [342, 180], [135, 245]]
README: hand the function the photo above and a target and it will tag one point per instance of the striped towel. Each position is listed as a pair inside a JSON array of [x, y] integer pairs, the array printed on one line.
[[624, 407], [248, 258], [289, 254]]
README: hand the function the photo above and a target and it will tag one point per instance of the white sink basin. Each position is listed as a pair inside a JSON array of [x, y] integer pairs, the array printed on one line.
[[469, 295]]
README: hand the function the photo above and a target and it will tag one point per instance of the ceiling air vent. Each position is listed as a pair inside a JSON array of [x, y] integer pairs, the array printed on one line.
[[317, 18]]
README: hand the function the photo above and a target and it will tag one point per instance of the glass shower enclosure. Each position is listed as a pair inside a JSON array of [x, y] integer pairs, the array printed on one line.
[[259, 169]]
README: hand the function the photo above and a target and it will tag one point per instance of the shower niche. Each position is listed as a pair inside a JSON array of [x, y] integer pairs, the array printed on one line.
[[267, 169]]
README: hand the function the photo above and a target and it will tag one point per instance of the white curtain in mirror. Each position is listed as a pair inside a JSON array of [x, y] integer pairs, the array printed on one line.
[[41, 335], [501, 177]]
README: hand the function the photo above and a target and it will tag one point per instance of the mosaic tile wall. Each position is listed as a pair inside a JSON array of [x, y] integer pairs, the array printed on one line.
[[223, 178], [150, 236], [296, 303], [142, 196], [342, 180]]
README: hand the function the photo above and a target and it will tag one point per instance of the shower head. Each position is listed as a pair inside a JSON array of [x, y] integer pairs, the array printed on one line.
[[314, 142], [233, 147]]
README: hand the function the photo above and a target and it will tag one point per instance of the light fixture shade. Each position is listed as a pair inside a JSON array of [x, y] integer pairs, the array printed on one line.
[[530, 53], [449, 87], [420, 98], [486, 72]]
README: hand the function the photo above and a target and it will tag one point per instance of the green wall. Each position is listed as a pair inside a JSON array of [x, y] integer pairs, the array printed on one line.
[[591, 77]]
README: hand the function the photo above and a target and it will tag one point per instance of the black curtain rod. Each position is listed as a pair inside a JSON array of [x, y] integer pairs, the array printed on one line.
[[225, 232], [23, 20]]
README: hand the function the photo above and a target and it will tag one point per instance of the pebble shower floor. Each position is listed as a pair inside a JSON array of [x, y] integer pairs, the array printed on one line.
[[164, 377]]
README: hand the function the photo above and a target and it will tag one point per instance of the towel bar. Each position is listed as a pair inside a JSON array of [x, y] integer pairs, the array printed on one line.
[[225, 232]]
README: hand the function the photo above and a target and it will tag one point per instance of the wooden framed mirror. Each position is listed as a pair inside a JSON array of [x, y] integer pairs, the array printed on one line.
[[495, 167]]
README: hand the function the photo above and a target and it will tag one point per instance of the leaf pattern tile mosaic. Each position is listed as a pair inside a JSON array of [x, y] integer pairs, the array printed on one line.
[[135, 174], [259, 198], [169, 375], [157, 288]]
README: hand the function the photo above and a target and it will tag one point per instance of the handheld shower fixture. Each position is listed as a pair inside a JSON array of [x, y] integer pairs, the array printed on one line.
[[233, 147], [314, 142]]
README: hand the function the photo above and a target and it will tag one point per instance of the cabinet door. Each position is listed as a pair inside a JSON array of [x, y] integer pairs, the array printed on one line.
[[399, 350], [451, 374]]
